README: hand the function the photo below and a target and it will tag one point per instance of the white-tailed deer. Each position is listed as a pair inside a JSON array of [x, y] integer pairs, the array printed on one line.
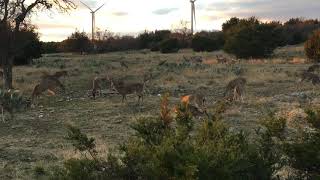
[[96, 88], [235, 88], [313, 68], [195, 103], [221, 59], [128, 88], [56, 75], [46, 84], [308, 76]]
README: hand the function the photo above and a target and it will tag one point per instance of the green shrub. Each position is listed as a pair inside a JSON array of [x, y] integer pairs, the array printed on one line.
[[313, 117], [304, 151], [170, 45], [207, 41], [154, 46], [275, 126], [39, 171], [13, 101], [78, 42], [29, 46], [164, 147], [251, 38], [304, 155], [312, 46]]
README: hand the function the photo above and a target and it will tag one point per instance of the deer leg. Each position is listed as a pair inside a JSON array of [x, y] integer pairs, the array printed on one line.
[[234, 94], [51, 92], [60, 85], [2, 115], [11, 115], [139, 97], [123, 98], [98, 90], [93, 94]]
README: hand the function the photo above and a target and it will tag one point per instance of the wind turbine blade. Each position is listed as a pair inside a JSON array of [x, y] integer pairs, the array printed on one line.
[[99, 8], [86, 6]]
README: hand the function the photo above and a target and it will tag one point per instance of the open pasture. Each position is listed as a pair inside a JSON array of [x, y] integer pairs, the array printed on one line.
[[36, 137]]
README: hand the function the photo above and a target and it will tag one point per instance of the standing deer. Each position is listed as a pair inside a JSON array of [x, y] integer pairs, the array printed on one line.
[[128, 88], [96, 87]]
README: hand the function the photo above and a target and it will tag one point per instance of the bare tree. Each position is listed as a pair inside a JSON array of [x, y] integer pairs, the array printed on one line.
[[182, 28], [182, 32], [13, 14]]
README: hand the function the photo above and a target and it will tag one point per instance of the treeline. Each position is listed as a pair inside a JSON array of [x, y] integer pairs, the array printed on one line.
[[244, 38], [241, 37]]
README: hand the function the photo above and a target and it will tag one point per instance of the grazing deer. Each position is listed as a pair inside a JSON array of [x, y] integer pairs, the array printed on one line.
[[128, 88], [236, 88], [162, 62], [221, 59], [46, 84], [123, 64], [195, 103], [308, 76], [313, 68], [197, 100], [193, 59], [56, 75]]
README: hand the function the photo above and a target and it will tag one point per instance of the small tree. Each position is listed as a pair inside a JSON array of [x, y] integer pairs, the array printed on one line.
[[12, 17], [31, 48], [207, 41], [145, 39], [251, 38], [170, 45], [312, 47], [78, 42], [50, 47]]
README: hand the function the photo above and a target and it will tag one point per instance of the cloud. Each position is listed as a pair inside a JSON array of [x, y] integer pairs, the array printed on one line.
[[55, 26], [164, 11], [267, 9]]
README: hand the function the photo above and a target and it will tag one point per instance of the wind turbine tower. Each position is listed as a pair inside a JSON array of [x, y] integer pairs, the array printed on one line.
[[93, 28], [193, 15]]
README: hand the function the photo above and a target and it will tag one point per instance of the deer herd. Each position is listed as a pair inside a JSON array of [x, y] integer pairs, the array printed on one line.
[[234, 91]]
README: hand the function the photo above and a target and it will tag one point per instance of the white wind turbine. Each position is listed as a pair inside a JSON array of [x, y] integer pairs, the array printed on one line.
[[193, 15], [93, 18]]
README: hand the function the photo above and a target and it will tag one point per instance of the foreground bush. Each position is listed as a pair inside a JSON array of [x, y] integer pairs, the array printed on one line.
[[12, 102], [312, 47], [168, 147], [304, 150]]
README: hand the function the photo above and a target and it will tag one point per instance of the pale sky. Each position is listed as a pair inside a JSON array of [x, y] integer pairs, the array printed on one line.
[[134, 16]]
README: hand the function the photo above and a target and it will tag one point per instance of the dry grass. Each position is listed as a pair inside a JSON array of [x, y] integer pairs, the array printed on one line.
[[37, 136]]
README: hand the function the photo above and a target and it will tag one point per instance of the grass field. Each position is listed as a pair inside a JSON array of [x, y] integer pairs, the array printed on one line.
[[36, 137]]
